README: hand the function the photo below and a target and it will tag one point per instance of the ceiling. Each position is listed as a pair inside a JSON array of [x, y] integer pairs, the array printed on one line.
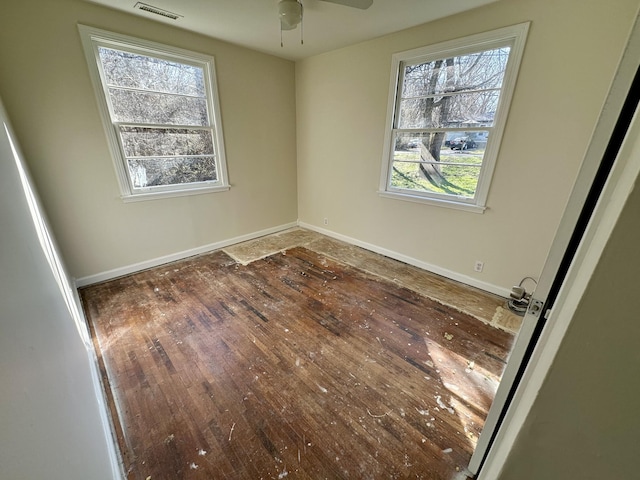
[[327, 26]]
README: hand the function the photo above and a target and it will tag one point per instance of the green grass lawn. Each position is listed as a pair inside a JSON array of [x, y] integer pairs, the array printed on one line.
[[460, 180]]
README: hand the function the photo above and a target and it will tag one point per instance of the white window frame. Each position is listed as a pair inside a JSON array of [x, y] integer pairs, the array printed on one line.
[[92, 39], [514, 37]]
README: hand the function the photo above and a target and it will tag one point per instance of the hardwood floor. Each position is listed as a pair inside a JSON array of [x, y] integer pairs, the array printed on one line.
[[486, 307], [294, 366]]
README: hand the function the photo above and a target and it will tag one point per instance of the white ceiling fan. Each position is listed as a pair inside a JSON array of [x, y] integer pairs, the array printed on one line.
[[290, 11]]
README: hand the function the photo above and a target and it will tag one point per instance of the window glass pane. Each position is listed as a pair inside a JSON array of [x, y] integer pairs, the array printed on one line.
[[438, 162], [476, 109], [150, 172], [475, 71], [151, 142], [141, 107], [132, 70]]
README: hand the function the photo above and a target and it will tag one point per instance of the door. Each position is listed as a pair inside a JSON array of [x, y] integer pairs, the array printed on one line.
[[611, 130]]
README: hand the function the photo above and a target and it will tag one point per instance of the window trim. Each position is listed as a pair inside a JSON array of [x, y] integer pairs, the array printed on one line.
[[513, 36], [92, 38]]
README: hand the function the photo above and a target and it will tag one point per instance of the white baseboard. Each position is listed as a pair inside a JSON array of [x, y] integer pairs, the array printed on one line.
[[154, 262], [136, 267], [474, 282], [113, 451]]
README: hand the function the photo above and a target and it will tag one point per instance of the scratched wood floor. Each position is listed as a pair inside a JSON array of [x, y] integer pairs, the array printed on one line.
[[294, 366]]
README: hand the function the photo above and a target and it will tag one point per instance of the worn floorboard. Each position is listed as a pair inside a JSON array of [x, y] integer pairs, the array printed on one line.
[[295, 366], [484, 306]]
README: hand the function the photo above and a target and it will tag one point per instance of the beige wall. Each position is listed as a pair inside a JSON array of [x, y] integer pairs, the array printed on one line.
[[340, 102], [568, 64], [45, 85], [584, 423]]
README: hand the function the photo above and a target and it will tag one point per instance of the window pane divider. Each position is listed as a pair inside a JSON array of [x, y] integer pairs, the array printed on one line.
[[152, 157], [443, 129], [451, 94], [427, 162], [162, 126], [161, 92]]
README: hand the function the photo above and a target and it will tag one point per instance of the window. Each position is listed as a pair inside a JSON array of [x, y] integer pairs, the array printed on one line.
[[160, 109], [448, 106]]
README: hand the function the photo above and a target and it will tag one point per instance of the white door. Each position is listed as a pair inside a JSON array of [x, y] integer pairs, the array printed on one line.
[[610, 132]]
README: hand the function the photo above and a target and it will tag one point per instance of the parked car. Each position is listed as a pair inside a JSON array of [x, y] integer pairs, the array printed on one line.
[[462, 143]]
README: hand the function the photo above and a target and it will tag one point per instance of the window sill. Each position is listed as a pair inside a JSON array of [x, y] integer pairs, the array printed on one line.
[[467, 207], [141, 197]]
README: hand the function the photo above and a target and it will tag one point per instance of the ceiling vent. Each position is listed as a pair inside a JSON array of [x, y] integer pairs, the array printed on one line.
[[157, 11]]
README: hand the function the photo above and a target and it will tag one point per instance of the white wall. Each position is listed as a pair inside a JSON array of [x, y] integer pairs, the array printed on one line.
[[47, 91], [50, 417], [569, 61]]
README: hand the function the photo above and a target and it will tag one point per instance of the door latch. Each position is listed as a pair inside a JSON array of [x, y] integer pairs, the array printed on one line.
[[535, 307]]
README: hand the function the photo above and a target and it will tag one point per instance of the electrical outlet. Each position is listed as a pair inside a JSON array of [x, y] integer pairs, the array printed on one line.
[[478, 266], [326, 221]]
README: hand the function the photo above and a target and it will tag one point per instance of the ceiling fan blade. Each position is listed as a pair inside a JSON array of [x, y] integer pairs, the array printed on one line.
[[361, 4]]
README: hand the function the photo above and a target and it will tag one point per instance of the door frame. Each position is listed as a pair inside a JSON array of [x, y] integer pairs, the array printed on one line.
[[574, 254]]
